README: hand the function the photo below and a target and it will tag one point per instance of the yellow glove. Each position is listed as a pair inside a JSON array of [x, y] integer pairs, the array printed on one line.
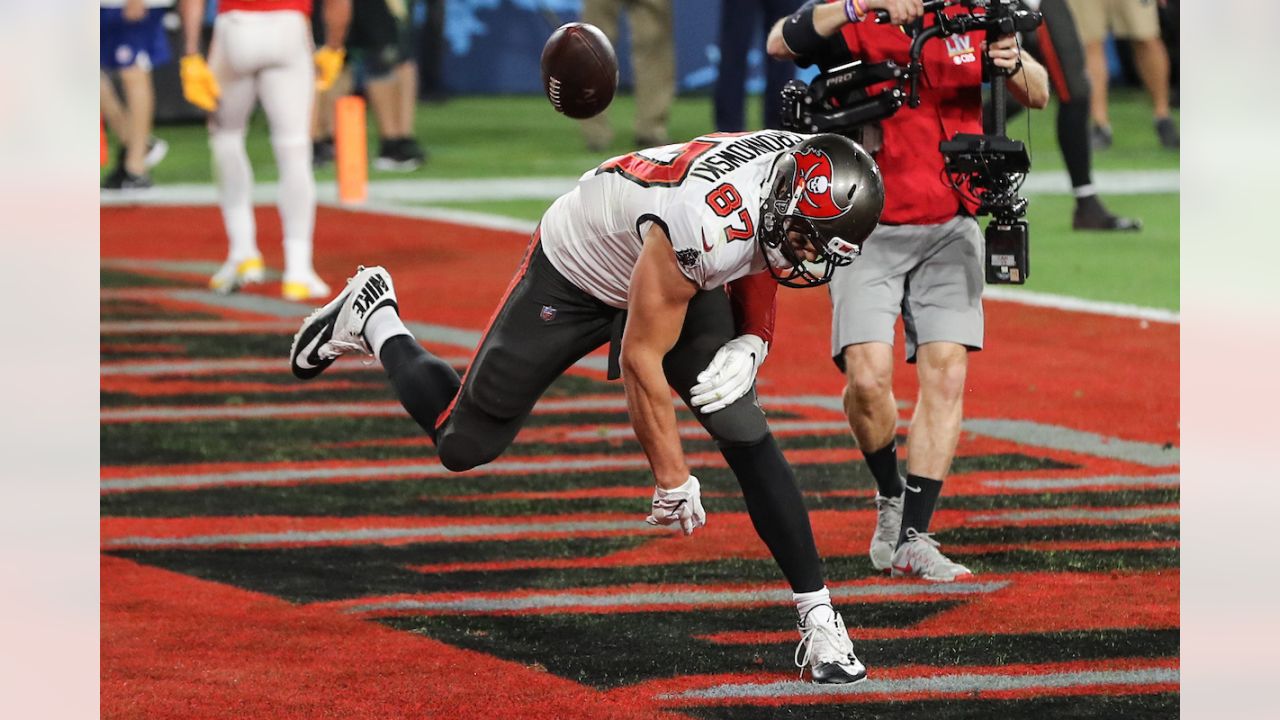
[[328, 65], [199, 86]]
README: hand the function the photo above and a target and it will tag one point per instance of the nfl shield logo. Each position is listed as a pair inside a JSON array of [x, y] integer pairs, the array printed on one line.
[[548, 313]]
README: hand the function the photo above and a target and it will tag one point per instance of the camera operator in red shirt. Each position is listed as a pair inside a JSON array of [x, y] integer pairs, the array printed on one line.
[[923, 261]]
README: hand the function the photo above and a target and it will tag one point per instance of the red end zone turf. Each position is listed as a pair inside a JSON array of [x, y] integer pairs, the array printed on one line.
[[254, 597]]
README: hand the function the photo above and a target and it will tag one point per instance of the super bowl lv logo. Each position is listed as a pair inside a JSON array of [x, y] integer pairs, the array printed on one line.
[[960, 49]]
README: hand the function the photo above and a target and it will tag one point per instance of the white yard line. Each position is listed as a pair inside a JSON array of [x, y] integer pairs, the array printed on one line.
[[1108, 182]]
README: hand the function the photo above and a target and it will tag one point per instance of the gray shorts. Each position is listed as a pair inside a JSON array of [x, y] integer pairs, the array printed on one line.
[[932, 274]]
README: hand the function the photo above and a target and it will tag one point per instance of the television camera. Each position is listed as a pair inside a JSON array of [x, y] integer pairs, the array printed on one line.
[[989, 168]]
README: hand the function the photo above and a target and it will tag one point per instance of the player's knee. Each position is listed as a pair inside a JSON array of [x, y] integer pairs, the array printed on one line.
[[943, 379], [866, 378], [739, 425], [290, 141], [459, 453], [223, 140]]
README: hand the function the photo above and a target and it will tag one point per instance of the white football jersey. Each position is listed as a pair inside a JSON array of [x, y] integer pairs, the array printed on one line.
[[706, 194]]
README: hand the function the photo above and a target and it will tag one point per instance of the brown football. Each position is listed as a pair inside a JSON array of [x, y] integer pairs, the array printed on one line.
[[579, 70]]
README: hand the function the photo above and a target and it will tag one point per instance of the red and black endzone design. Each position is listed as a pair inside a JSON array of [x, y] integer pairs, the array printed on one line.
[[305, 561]]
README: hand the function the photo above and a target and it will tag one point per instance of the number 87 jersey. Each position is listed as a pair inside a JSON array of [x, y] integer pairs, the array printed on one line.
[[706, 195]]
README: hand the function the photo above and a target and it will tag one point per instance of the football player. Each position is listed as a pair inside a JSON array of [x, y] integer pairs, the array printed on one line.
[[262, 50], [639, 254]]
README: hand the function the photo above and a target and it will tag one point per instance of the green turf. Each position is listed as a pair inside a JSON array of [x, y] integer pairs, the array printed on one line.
[[1136, 146], [501, 136], [474, 137], [1136, 268]]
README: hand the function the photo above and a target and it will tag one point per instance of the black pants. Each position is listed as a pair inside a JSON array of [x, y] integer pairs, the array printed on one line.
[[545, 325], [745, 24], [1056, 44]]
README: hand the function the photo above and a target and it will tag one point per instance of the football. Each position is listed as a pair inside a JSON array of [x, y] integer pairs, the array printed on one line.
[[579, 70]]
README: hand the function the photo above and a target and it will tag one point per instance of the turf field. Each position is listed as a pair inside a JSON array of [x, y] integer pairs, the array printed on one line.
[[289, 550], [280, 549]]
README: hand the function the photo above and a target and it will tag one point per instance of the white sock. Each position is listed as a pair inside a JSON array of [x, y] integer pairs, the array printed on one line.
[[1085, 191], [381, 326], [297, 259], [815, 606]]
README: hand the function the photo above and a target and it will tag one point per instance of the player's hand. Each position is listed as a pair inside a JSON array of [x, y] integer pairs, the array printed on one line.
[[682, 505], [199, 86], [900, 12], [730, 375], [1005, 53], [328, 66]]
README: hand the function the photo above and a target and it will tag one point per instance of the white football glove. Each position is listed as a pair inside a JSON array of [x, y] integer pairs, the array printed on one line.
[[682, 505], [730, 375]]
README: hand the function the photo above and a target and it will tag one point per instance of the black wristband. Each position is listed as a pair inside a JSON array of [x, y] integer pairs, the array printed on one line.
[[799, 34]]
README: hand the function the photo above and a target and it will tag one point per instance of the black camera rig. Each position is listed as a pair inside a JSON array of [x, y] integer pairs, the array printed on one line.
[[989, 168]]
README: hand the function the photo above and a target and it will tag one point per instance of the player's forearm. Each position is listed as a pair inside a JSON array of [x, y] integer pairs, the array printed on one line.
[[337, 18], [826, 18], [1030, 84], [652, 416], [191, 13]]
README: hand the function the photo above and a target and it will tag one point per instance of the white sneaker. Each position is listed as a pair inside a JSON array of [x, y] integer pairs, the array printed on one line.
[[157, 149], [338, 328], [888, 525], [825, 648], [304, 287], [919, 556], [235, 274]]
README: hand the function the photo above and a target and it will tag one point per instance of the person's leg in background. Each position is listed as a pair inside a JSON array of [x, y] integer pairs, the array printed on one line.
[[737, 23], [1090, 17], [406, 74], [1171, 34], [133, 47], [232, 171], [653, 59], [113, 111], [323, 151], [597, 132], [140, 97], [942, 321], [1057, 45], [776, 72], [286, 88], [866, 299], [1139, 21]]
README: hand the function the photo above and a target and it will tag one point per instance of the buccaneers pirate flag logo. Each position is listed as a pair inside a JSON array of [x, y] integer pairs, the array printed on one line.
[[812, 189]]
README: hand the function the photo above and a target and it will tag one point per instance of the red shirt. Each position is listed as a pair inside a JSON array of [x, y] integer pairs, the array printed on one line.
[[916, 191], [302, 6]]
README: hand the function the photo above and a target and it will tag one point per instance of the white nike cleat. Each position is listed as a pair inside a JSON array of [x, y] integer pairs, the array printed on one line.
[[888, 525], [919, 556], [304, 287], [825, 648], [338, 328], [235, 274]]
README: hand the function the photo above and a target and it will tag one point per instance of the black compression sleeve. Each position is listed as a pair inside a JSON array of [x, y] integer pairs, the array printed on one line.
[[799, 34]]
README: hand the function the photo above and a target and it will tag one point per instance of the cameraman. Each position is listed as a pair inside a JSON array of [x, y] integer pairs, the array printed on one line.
[[924, 260]]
